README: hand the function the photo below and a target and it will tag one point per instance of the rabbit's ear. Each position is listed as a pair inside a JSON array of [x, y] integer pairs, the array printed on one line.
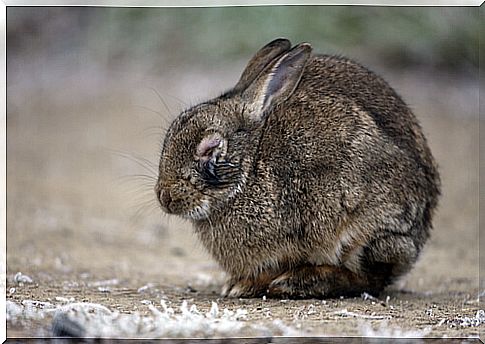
[[277, 81], [259, 61]]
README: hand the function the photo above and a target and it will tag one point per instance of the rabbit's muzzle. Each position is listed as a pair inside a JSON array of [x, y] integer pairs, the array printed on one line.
[[181, 199], [163, 197]]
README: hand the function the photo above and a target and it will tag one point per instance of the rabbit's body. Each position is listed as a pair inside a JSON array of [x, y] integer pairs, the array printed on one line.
[[328, 191]]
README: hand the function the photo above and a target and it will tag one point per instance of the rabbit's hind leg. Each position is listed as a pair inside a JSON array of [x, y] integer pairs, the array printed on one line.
[[325, 281], [390, 256]]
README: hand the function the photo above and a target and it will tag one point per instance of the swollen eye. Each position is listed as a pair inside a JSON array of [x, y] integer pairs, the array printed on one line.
[[206, 146]]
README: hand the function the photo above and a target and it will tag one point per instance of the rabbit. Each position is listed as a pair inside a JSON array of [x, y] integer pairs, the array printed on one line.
[[310, 178]]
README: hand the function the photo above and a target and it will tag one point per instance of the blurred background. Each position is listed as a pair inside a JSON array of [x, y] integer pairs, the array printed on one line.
[[90, 91]]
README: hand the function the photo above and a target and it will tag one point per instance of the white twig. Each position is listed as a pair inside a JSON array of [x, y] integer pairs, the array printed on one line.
[[345, 312]]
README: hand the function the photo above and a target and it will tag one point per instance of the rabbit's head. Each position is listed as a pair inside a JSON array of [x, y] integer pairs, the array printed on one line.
[[209, 149]]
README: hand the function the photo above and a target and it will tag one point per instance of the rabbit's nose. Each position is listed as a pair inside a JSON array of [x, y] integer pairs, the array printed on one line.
[[165, 198]]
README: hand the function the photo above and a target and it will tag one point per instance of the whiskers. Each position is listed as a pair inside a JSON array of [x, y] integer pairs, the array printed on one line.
[[164, 103], [140, 175], [166, 116], [147, 165], [160, 114], [139, 186]]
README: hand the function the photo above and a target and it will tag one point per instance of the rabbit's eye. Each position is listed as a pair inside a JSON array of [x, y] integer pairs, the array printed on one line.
[[210, 153], [207, 170]]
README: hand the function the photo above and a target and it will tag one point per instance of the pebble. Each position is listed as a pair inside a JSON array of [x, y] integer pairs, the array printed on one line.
[[21, 278]]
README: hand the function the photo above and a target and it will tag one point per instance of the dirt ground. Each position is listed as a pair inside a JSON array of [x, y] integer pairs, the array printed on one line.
[[83, 224]]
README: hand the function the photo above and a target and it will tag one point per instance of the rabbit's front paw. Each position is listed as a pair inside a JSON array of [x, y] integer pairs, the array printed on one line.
[[245, 288], [235, 289]]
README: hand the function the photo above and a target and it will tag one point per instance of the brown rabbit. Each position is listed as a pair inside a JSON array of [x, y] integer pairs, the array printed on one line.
[[310, 178]]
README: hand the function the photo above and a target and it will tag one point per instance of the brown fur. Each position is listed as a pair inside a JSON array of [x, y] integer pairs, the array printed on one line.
[[310, 178]]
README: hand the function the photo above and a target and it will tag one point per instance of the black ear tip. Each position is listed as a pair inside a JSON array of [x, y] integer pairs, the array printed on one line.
[[281, 42]]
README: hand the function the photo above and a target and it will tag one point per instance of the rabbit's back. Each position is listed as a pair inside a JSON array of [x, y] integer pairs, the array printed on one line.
[[347, 82], [346, 119]]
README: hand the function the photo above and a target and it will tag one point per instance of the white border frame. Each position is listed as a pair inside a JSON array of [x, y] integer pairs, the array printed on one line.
[[138, 3]]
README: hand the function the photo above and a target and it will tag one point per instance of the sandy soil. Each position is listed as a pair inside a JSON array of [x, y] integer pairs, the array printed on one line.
[[83, 224]]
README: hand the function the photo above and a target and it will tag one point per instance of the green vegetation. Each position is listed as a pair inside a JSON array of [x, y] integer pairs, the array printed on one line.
[[398, 36]]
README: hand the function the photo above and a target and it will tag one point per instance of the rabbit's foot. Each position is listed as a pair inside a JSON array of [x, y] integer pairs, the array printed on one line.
[[246, 287], [238, 289], [319, 282]]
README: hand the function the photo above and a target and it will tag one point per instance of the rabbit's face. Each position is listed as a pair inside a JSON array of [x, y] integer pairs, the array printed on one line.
[[201, 161], [207, 152]]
